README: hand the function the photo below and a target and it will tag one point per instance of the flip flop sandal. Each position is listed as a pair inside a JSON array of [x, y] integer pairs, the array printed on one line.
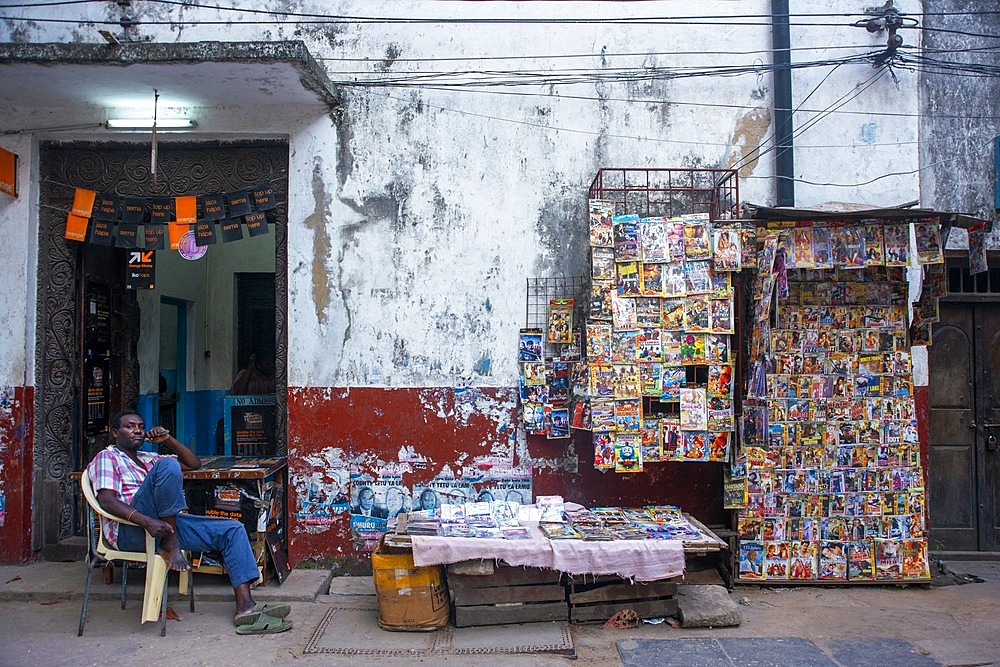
[[265, 625], [250, 617]]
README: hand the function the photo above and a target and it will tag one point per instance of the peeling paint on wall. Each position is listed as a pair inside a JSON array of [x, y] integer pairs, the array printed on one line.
[[748, 136]]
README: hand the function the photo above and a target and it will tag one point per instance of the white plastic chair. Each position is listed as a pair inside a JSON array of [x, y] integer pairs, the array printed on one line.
[[101, 553]]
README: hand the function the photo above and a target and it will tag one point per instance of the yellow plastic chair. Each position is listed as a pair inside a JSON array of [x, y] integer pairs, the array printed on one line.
[[101, 553]]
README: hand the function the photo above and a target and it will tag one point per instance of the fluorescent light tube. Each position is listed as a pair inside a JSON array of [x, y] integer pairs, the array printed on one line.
[[147, 123]]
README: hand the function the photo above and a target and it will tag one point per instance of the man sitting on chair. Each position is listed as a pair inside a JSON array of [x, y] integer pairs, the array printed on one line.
[[147, 489]]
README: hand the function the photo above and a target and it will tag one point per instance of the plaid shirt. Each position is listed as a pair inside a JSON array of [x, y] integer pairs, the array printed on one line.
[[114, 469]]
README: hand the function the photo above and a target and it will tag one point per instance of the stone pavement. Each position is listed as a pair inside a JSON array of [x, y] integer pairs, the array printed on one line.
[[40, 606]]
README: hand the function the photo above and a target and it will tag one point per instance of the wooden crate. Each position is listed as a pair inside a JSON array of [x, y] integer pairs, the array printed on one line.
[[596, 599], [509, 595]]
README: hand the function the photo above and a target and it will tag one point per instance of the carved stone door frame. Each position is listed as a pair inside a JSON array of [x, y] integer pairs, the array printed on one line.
[[185, 168]]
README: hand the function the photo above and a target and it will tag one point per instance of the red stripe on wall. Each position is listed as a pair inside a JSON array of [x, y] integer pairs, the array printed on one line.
[[450, 427], [16, 445]]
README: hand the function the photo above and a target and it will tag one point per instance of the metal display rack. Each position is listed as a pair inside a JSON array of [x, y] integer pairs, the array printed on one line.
[[669, 192]]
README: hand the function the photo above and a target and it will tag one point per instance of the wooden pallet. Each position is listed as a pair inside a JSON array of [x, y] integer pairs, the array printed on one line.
[[509, 595], [597, 599]]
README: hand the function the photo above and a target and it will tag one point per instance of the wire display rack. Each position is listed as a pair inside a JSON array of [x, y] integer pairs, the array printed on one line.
[[669, 192], [540, 291]]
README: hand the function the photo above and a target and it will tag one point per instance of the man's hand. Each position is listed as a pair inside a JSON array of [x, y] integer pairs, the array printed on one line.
[[158, 435], [155, 527]]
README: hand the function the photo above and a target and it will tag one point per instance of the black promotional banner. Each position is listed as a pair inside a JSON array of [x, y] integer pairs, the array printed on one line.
[[140, 271], [231, 229], [256, 224], [142, 222], [204, 233]]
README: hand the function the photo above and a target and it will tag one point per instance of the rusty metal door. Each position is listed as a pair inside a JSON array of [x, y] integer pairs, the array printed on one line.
[[964, 474]]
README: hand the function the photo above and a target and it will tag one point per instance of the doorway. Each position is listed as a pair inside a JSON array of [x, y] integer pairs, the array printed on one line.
[[82, 298], [964, 473]]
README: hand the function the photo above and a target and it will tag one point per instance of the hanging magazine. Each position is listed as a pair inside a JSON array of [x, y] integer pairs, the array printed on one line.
[[928, 237], [560, 325], [727, 249], [600, 223]]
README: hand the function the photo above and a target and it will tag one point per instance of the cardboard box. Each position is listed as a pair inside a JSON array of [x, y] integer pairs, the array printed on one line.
[[410, 599]]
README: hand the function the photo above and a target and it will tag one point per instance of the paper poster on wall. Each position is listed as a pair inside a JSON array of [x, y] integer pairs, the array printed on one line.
[[140, 270]]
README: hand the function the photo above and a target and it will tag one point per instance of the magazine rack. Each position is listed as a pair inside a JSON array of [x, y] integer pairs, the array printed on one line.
[[669, 192]]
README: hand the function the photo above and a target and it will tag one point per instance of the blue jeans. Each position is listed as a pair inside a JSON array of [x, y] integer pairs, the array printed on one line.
[[162, 495]]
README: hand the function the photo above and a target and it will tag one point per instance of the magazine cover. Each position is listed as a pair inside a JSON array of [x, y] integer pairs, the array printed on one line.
[[672, 378], [647, 311], [558, 426], [623, 347], [936, 279], [627, 381], [600, 223], [751, 560], [721, 316], [675, 239], [861, 560], [802, 246], [599, 342], [651, 276], [716, 348], [720, 380], [822, 248], [914, 555], [560, 326], [627, 282], [693, 348], [697, 278], [697, 244], [896, 239], [672, 314], [928, 235], [628, 415], [670, 342], [653, 238], [628, 455], [558, 382], [602, 414], [776, 560], [604, 450], [874, 248], [720, 414], [748, 240], [977, 258], [623, 315], [602, 378], [648, 344], [581, 415], [694, 445], [670, 439], [529, 345], [533, 372], [626, 237], [855, 256], [727, 249], [722, 285], [650, 439], [718, 446], [888, 560], [602, 263], [802, 563], [833, 561], [693, 410], [600, 299], [673, 279], [651, 379], [533, 416], [697, 317]]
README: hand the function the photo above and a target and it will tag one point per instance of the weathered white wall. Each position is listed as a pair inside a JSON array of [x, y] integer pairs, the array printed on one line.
[[417, 215], [18, 262]]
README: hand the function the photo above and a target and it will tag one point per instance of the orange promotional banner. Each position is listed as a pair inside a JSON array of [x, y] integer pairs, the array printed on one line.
[[76, 227], [176, 230], [186, 209], [83, 202], [8, 172]]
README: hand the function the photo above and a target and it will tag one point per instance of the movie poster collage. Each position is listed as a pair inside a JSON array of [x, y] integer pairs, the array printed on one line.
[[832, 484], [659, 327]]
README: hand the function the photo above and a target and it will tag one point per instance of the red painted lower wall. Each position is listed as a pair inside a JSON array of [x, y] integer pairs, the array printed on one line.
[[16, 442], [449, 427]]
